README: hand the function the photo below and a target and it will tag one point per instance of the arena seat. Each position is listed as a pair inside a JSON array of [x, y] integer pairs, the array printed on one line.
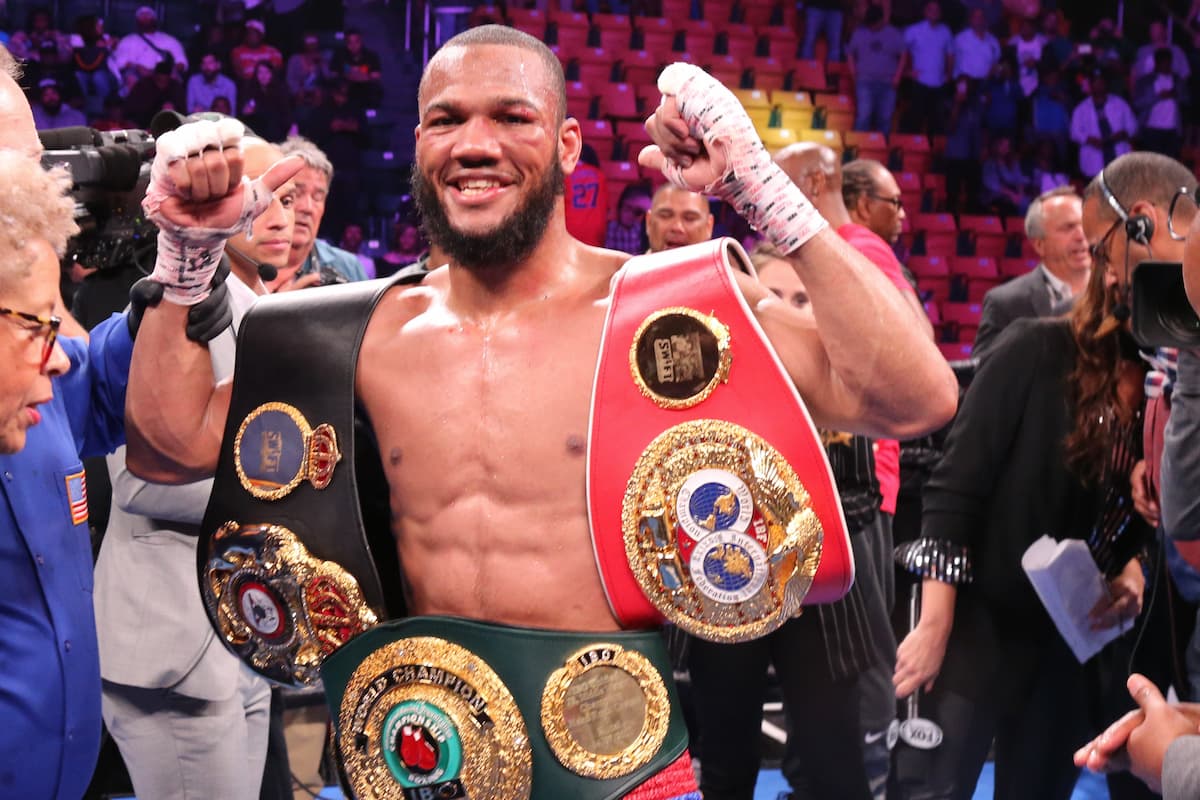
[[639, 67], [965, 314], [939, 233], [809, 75], [867, 144], [1016, 267], [600, 135], [987, 233], [618, 101], [913, 151], [837, 111]]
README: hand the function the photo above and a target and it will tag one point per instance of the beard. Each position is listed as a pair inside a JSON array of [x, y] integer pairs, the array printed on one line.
[[509, 242]]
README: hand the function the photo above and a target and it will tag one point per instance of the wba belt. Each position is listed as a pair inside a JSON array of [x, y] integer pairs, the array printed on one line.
[[436, 707], [288, 571], [704, 458]]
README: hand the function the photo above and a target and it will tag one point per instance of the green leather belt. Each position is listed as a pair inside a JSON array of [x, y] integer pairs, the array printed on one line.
[[440, 707]]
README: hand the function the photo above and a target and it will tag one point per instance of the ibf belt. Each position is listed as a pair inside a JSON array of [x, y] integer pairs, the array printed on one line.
[[704, 457], [435, 707]]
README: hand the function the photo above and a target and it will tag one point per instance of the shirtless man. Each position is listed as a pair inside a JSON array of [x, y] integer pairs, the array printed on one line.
[[485, 485]]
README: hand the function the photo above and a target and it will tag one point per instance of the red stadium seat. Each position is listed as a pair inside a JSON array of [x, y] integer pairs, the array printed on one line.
[[698, 36], [633, 138], [915, 154], [768, 72], [742, 48], [809, 75], [619, 174], [530, 20], [935, 289], [615, 40], [640, 67], [571, 40], [838, 112], [868, 144], [757, 14], [579, 99], [717, 12], [940, 233], [987, 233], [933, 311], [728, 70], [978, 287], [1016, 267], [569, 19], [955, 351], [658, 34], [618, 101], [967, 314], [935, 185], [677, 10], [599, 134], [612, 21], [929, 266], [910, 191], [595, 73], [973, 267]]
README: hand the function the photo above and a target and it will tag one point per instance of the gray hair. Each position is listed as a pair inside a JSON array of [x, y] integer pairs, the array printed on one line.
[[1035, 217], [9, 65], [312, 155]]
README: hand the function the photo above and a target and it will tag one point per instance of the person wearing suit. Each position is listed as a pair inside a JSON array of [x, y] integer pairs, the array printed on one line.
[[190, 719], [1054, 225]]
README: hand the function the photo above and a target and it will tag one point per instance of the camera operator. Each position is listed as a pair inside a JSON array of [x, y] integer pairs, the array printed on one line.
[[1158, 742]]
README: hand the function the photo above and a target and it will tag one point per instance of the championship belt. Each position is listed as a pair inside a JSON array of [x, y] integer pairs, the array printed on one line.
[[437, 707], [286, 564], [704, 457]]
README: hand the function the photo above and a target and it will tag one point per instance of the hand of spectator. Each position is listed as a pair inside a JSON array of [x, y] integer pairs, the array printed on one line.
[[1144, 500], [301, 282], [1139, 740], [919, 659], [1124, 602]]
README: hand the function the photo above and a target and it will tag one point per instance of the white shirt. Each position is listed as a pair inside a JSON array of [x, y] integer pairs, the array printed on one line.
[[1164, 114], [928, 45], [1026, 50], [975, 56], [1058, 289], [134, 50], [1085, 125]]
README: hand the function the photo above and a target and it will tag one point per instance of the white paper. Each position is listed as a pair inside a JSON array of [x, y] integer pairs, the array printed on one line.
[[1069, 584]]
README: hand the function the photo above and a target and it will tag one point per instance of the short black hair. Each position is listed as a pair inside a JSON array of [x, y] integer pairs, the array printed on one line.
[[511, 37], [1141, 177]]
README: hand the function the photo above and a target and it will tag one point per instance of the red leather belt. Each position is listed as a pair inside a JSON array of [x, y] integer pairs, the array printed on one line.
[[710, 496]]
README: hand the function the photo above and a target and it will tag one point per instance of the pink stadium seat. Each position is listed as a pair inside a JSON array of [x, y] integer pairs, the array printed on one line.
[[618, 101], [727, 69], [699, 36], [742, 48], [615, 40], [973, 267], [955, 351], [929, 266], [1016, 267], [530, 20], [978, 287], [768, 72], [718, 12], [640, 67], [633, 138], [967, 314], [941, 233], [599, 134], [839, 111], [915, 153], [809, 75], [988, 234], [868, 144], [579, 99]]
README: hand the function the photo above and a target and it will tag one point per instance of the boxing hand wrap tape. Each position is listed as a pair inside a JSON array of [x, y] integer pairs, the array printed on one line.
[[752, 183]]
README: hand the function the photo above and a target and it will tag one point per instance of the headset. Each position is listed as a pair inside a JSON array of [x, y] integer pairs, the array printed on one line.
[[265, 271], [1139, 228]]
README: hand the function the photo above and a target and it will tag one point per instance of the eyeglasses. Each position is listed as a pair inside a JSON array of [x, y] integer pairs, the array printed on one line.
[[894, 202], [1179, 214], [50, 324], [1099, 250]]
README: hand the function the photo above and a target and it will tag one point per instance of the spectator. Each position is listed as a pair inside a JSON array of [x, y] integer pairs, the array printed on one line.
[[266, 106], [49, 111], [158, 91], [308, 70], [310, 255], [1002, 101], [38, 37], [1160, 98], [1048, 173], [144, 49], [55, 68], [931, 52], [964, 143], [1027, 46], [1146, 61], [211, 39], [587, 199], [677, 217], [352, 242], [208, 84], [360, 67], [1054, 227], [993, 12], [1050, 116], [627, 232], [823, 17], [976, 51], [92, 49], [253, 51], [112, 118], [876, 57], [1110, 50], [339, 129], [1005, 185], [407, 247], [1059, 47], [1103, 126]]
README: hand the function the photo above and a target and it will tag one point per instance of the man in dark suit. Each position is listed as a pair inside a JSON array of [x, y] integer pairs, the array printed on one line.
[[1054, 225]]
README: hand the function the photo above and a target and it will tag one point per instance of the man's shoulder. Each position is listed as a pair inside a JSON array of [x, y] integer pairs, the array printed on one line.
[[1018, 287]]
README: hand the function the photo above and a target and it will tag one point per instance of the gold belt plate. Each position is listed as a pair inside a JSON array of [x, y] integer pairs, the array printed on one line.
[[719, 531], [424, 717]]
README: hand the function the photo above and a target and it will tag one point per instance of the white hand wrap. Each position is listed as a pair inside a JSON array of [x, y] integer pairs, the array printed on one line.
[[188, 256], [752, 183]]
